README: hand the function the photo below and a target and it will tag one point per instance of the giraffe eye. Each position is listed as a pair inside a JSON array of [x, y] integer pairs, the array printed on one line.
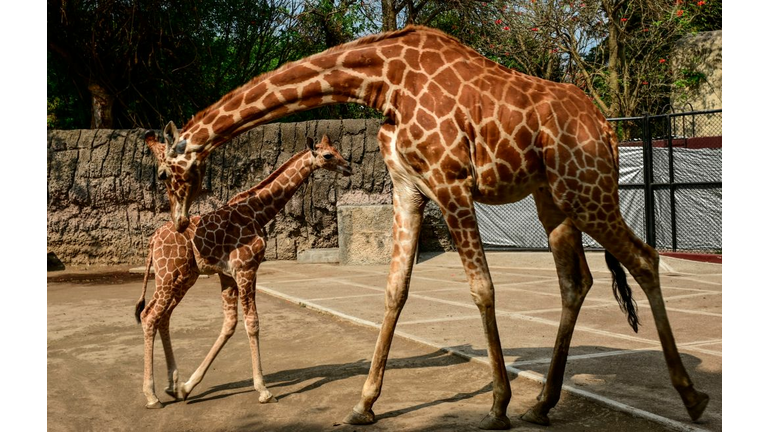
[[328, 156]]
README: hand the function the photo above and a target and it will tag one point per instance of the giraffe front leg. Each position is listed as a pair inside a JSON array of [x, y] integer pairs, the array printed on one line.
[[408, 206], [246, 282], [458, 210], [229, 305]]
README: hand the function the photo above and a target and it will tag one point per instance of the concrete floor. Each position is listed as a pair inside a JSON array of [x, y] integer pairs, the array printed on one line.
[[608, 362]]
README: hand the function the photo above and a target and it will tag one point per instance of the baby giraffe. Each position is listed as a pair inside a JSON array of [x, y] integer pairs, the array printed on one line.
[[229, 241]]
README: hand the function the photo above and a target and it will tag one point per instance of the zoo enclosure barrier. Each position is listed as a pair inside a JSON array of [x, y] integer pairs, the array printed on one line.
[[670, 188]]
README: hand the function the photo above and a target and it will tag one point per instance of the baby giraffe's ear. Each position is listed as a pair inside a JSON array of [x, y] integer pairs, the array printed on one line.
[[310, 144]]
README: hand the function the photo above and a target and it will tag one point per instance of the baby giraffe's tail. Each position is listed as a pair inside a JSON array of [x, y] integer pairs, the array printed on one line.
[[141, 303]]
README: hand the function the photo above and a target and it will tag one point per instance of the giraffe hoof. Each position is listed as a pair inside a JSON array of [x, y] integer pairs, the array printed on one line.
[[491, 422], [154, 405], [182, 393], [267, 397], [356, 418], [534, 417], [697, 409], [172, 393]]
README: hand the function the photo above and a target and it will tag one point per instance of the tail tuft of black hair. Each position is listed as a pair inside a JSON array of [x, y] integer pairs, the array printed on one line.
[[622, 291], [139, 308]]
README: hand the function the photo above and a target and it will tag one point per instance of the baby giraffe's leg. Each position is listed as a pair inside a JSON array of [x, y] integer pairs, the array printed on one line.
[[246, 282], [150, 318], [229, 305], [170, 361]]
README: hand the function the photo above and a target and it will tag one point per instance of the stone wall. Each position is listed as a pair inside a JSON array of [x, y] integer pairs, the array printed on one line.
[[104, 200]]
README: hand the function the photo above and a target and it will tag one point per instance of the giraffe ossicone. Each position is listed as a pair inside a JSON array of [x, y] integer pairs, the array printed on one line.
[[229, 241], [458, 129]]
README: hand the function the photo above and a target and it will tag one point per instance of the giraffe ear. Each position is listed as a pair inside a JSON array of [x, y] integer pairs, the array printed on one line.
[[310, 144], [170, 133]]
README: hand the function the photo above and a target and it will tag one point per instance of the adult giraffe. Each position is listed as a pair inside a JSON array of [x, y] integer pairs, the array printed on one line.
[[459, 128]]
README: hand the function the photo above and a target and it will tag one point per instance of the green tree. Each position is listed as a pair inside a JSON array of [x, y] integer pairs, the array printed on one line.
[[141, 63]]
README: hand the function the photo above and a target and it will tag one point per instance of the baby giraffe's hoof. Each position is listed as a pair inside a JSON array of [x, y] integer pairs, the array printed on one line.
[[267, 397], [182, 393], [154, 405], [491, 422], [697, 409], [356, 418], [531, 416], [172, 393]]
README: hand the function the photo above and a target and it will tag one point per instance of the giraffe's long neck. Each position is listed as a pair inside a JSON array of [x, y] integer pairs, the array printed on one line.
[[352, 73], [265, 200]]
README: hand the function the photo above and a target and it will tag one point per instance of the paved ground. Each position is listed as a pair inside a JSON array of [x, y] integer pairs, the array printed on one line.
[[316, 363]]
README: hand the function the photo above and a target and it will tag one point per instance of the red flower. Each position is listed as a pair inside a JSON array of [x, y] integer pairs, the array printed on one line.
[[535, 29], [645, 82], [662, 61], [680, 12], [498, 21], [701, 3], [645, 30], [623, 20], [506, 28]]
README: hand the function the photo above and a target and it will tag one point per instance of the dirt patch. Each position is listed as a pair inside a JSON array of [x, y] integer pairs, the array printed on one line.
[[315, 364]]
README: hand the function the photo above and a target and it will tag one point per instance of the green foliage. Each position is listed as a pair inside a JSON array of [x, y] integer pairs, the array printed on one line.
[[690, 79], [165, 60], [66, 108]]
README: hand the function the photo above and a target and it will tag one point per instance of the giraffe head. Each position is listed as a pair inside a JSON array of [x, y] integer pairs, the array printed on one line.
[[181, 171], [325, 156]]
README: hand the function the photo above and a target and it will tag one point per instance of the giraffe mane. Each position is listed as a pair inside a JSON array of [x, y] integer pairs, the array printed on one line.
[[268, 180], [266, 75]]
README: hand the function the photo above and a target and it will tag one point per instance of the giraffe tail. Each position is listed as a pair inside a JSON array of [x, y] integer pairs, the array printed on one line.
[[622, 291], [142, 303]]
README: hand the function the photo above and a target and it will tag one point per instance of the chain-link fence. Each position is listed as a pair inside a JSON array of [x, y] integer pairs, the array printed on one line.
[[670, 187]]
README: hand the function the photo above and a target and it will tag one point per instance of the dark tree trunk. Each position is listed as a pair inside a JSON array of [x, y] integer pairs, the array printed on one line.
[[102, 102], [388, 15]]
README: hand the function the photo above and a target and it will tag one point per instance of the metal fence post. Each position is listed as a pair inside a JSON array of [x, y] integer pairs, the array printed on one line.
[[671, 158], [650, 211]]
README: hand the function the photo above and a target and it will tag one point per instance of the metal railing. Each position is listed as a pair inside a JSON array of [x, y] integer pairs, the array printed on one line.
[[682, 166], [670, 187]]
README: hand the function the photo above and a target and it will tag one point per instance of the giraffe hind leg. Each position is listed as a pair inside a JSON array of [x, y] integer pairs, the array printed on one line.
[[149, 323], [606, 225], [170, 361], [575, 281]]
